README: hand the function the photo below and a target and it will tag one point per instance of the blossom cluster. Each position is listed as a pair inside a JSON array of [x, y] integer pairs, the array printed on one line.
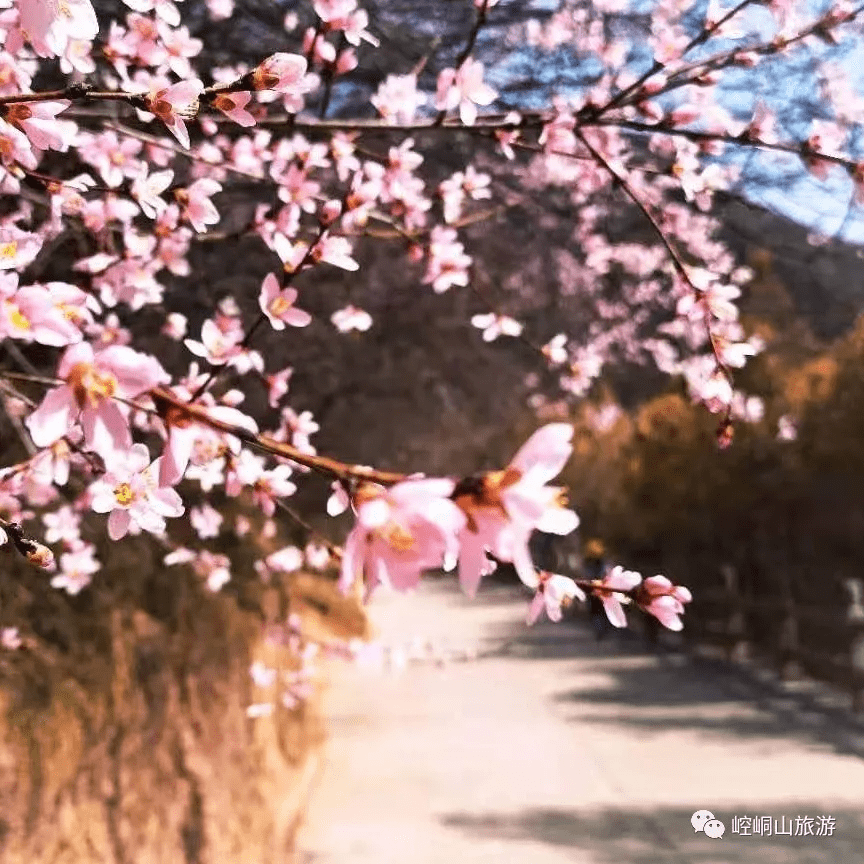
[[656, 596], [129, 169]]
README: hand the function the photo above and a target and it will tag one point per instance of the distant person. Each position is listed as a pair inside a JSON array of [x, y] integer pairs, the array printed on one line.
[[594, 565], [544, 551]]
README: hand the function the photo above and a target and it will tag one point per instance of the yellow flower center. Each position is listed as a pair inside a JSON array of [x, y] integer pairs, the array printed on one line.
[[397, 537], [124, 494], [61, 449], [91, 387], [8, 250], [279, 306], [70, 313], [17, 318]]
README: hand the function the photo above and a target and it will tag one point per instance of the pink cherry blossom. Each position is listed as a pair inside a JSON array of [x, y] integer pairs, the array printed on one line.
[[318, 49], [38, 121], [215, 346], [504, 507], [277, 386], [712, 296], [827, 138], [464, 89], [113, 158], [295, 187], [297, 428], [233, 105], [286, 560], [399, 533], [53, 464], [262, 676], [130, 492], [555, 350], [787, 429], [196, 205], [611, 591], [175, 325], [164, 9], [17, 248], [284, 73], [461, 185], [659, 597], [335, 251], [62, 525], [15, 147], [184, 434], [206, 521], [271, 486], [351, 318], [49, 25], [278, 305], [10, 638], [339, 500], [330, 250], [175, 104], [318, 557], [32, 315], [77, 567], [220, 9], [147, 191], [344, 15], [553, 593], [448, 264], [243, 470], [180, 47], [397, 98], [494, 325], [92, 380]]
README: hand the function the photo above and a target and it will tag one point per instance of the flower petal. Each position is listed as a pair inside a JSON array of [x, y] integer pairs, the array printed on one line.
[[545, 453]]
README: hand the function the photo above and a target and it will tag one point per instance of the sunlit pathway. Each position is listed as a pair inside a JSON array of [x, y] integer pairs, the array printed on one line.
[[551, 748]]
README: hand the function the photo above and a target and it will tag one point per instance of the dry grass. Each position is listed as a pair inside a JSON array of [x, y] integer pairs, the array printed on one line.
[[124, 737]]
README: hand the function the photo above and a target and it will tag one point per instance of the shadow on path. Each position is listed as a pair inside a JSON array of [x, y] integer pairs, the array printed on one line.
[[629, 836], [670, 689]]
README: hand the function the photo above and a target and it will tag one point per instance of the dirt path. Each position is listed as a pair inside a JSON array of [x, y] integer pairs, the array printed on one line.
[[551, 748]]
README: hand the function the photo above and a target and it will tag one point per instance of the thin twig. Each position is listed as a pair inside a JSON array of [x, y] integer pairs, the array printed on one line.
[[675, 257], [658, 66], [287, 279], [465, 53], [294, 516]]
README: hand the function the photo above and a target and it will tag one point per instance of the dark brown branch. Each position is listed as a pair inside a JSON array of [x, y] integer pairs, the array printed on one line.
[[172, 406]]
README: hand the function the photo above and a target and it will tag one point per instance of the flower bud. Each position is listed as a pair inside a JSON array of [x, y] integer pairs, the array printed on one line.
[[279, 72], [40, 556], [330, 212]]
